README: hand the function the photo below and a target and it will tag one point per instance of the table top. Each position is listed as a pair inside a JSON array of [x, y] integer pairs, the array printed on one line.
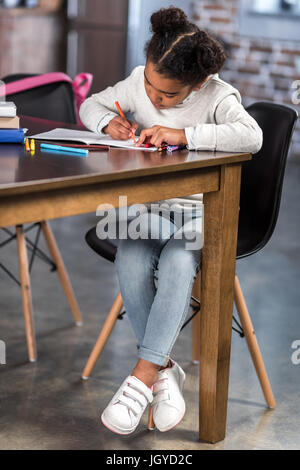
[[22, 172]]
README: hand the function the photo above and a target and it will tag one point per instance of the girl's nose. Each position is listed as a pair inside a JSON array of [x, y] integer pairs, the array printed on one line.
[[157, 98]]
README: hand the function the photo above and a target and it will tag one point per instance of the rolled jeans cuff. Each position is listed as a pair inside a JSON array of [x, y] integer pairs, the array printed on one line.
[[153, 356]]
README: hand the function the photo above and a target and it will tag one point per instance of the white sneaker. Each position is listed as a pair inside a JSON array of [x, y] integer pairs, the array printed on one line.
[[168, 404], [123, 413]]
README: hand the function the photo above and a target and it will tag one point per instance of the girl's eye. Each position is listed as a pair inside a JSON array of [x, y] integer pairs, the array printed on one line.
[[169, 96]]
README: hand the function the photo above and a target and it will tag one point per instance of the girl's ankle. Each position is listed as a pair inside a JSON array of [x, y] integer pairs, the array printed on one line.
[[148, 378], [149, 375]]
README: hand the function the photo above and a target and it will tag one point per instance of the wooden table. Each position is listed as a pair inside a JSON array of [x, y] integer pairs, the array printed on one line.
[[48, 186]]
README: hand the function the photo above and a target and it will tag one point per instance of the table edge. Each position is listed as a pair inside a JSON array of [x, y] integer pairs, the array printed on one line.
[[94, 178]]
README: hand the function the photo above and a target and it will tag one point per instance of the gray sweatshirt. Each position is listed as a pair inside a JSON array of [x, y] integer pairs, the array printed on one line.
[[213, 119]]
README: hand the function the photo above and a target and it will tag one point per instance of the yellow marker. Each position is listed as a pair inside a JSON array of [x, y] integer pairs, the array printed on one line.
[[27, 146], [32, 145]]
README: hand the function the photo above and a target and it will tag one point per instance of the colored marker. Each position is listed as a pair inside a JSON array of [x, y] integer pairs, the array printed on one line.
[[27, 146], [32, 145], [172, 148], [63, 153], [123, 116], [91, 148], [65, 149]]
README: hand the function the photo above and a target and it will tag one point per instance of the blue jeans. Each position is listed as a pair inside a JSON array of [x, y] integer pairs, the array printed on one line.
[[157, 309]]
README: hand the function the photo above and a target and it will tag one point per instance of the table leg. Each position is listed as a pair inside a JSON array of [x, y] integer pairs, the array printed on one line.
[[196, 321], [218, 270]]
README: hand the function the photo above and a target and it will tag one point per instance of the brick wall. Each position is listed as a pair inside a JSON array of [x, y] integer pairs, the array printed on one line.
[[261, 69]]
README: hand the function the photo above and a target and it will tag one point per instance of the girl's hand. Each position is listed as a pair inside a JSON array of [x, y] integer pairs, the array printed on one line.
[[120, 129], [156, 135]]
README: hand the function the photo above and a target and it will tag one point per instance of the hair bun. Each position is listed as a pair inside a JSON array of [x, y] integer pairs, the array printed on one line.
[[169, 20]]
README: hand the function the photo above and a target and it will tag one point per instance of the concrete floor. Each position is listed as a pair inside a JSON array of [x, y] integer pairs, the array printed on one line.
[[47, 406]]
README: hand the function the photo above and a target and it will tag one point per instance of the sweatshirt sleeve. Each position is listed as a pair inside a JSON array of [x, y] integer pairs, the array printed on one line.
[[235, 130], [98, 110]]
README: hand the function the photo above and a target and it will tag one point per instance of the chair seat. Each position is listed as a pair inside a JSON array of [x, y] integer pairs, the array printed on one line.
[[105, 248], [108, 248]]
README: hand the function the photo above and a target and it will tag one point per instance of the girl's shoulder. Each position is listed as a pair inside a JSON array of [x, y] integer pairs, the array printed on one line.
[[219, 89], [137, 73], [216, 80], [133, 81]]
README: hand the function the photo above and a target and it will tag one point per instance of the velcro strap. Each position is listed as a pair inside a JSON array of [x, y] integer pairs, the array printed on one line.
[[162, 396], [131, 404], [135, 395], [159, 386], [140, 387]]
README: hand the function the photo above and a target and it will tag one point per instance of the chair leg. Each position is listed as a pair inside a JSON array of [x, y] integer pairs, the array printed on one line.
[[151, 425], [253, 344], [26, 293], [63, 275], [104, 335], [196, 322]]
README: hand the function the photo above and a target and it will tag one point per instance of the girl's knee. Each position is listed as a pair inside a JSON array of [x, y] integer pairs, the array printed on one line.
[[175, 258], [135, 258], [127, 251]]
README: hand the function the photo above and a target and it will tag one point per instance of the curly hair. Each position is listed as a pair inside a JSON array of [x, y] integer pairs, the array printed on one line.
[[180, 50]]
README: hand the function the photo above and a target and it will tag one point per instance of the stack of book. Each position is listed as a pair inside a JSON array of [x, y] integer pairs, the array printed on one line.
[[10, 131]]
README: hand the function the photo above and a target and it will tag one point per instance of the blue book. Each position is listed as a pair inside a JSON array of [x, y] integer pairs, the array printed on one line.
[[15, 136]]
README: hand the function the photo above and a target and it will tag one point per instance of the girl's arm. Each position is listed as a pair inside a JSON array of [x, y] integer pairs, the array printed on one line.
[[98, 110], [235, 130]]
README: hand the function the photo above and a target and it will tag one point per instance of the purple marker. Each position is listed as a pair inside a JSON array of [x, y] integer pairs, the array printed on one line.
[[172, 148]]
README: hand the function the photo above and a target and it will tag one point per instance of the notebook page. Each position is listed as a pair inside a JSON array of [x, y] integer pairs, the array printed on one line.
[[87, 138]]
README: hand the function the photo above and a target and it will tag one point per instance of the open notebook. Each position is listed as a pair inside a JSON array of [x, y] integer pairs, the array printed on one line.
[[88, 138]]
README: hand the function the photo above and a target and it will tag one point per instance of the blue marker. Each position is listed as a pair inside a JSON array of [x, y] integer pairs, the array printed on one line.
[[62, 153], [65, 149]]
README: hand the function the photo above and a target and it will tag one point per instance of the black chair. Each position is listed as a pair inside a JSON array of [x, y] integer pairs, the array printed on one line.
[[53, 102], [261, 186]]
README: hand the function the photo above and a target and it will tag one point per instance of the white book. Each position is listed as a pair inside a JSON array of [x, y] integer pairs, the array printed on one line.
[[8, 109], [88, 138]]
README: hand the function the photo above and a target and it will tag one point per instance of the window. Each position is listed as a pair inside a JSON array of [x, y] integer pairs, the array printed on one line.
[[276, 7], [276, 19]]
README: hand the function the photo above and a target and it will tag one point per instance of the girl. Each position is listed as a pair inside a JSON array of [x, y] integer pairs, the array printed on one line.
[[176, 98]]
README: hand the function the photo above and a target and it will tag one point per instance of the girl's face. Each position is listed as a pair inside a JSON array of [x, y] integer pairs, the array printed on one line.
[[164, 92]]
